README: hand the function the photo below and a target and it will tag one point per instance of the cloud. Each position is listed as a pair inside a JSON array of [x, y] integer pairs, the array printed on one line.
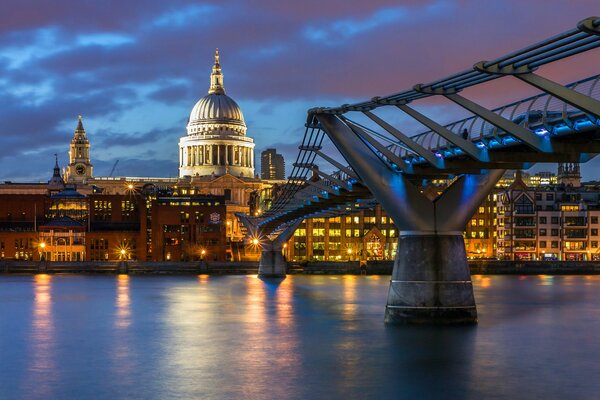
[[136, 72], [183, 16], [340, 30]]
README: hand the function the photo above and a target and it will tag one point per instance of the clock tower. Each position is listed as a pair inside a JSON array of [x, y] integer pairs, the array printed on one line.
[[80, 167]]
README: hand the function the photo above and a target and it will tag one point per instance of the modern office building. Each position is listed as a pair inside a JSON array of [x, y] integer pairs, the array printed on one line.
[[272, 165]]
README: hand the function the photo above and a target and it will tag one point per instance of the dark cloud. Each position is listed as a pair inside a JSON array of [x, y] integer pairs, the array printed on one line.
[[136, 71]]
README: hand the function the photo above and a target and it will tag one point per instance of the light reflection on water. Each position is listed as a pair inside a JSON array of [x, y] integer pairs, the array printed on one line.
[[43, 363], [240, 337]]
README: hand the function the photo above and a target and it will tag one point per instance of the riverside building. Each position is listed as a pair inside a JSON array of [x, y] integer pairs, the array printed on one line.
[[80, 216]]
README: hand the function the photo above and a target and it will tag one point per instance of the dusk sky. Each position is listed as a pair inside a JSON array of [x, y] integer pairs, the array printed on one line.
[[135, 69]]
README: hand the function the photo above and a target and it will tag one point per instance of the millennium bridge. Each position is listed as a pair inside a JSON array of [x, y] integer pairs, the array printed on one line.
[[377, 162]]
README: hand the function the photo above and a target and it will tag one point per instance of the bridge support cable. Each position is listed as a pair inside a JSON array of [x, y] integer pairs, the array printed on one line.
[[431, 283], [465, 145], [570, 96], [408, 142], [336, 164]]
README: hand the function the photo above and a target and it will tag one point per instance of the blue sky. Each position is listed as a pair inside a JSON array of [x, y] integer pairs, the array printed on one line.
[[134, 69]]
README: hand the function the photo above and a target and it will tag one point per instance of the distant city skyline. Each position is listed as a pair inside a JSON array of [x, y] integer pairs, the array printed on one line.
[[135, 73]]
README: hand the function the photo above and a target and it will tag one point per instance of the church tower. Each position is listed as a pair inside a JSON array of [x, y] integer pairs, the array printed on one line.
[[569, 174], [80, 167]]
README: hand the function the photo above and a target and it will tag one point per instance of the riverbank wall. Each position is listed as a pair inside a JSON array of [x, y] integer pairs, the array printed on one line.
[[485, 267]]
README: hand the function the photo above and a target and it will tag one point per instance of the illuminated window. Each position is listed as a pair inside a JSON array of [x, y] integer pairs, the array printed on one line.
[[480, 222], [569, 208]]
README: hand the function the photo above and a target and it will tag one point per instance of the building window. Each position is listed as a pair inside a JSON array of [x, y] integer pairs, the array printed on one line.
[[542, 244], [538, 196], [543, 220], [554, 220], [594, 244], [554, 245], [594, 232], [554, 232], [542, 232], [549, 196], [594, 220]]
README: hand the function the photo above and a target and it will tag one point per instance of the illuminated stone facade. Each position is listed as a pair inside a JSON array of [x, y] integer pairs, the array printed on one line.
[[80, 166], [216, 141]]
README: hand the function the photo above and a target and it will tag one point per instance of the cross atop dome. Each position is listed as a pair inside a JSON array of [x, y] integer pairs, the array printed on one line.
[[216, 77]]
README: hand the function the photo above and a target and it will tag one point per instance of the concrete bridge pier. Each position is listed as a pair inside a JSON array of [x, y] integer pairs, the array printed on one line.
[[431, 282], [272, 263]]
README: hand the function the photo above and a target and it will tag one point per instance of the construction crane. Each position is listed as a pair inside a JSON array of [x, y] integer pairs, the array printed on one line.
[[112, 171]]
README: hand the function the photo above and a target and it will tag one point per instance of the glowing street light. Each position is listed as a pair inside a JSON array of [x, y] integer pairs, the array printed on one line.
[[41, 250]]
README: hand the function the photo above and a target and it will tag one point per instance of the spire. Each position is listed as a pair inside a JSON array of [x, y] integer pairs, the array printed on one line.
[[56, 167], [56, 182], [216, 78], [80, 128]]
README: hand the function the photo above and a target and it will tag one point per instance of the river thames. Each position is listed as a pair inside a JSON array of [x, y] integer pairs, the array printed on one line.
[[306, 337]]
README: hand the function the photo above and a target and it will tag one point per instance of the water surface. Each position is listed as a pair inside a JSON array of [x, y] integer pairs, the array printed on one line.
[[306, 337]]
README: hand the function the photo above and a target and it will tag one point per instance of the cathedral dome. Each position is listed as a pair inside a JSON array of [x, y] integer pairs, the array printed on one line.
[[216, 108], [216, 143], [216, 113]]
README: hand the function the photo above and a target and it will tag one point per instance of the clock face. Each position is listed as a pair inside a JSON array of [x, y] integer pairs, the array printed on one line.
[[80, 169]]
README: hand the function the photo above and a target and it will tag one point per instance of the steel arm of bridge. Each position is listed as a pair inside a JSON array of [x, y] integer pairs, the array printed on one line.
[[465, 145], [408, 142], [326, 188], [387, 153], [525, 135], [336, 164], [330, 178], [570, 96], [401, 199], [430, 282]]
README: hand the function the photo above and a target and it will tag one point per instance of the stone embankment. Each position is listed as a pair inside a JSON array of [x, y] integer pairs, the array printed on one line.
[[489, 267]]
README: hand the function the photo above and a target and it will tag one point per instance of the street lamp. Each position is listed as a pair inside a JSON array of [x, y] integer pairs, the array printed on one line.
[[202, 254], [349, 251], [42, 247]]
